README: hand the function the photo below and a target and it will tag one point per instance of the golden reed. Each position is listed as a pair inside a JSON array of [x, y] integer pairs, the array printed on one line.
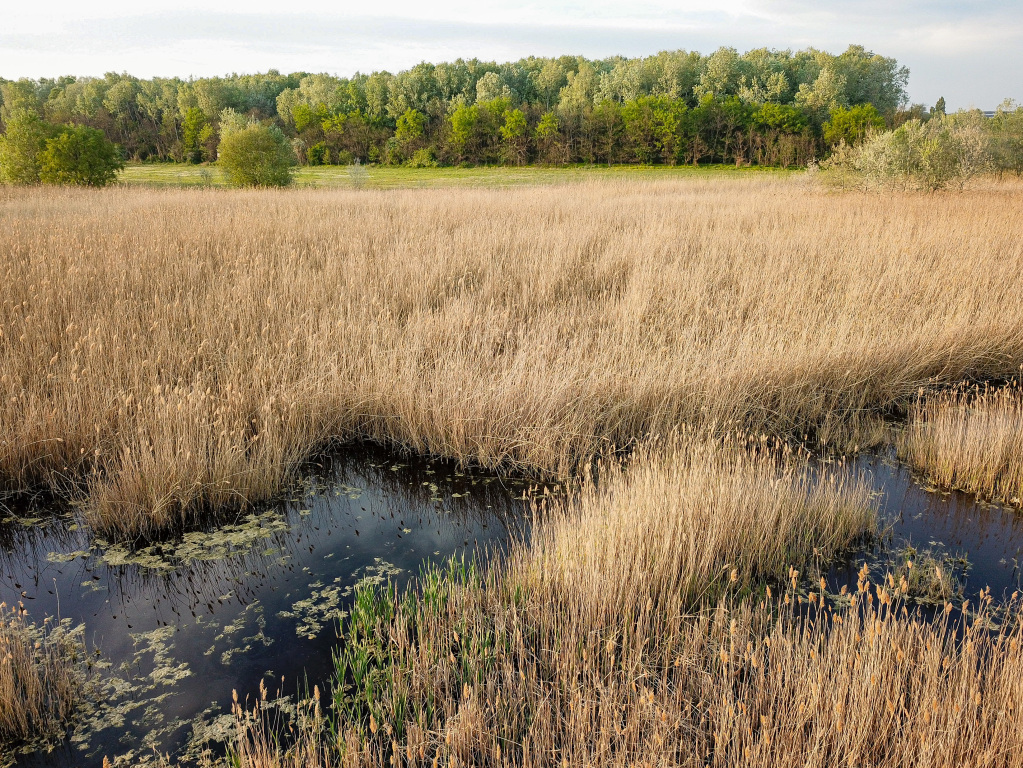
[[166, 353]]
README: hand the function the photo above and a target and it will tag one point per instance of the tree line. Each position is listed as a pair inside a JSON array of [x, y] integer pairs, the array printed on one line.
[[765, 107]]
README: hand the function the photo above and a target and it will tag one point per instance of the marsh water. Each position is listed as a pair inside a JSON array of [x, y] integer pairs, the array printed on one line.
[[979, 542], [180, 626]]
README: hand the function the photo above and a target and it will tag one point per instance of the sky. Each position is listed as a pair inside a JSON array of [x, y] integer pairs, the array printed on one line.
[[969, 51]]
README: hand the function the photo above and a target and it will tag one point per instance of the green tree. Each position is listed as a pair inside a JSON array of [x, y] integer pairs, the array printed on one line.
[[409, 135], [870, 78], [303, 116], [16, 96], [939, 107], [490, 87], [547, 134], [1006, 137], [412, 89], [195, 130], [825, 95], [549, 80], [780, 117], [21, 147], [256, 156], [411, 126], [640, 128], [464, 121], [671, 117], [491, 147], [80, 155], [852, 124], [607, 129], [515, 135], [721, 75]]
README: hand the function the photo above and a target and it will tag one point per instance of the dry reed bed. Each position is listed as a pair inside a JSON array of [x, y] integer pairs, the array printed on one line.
[[688, 514], [970, 438], [177, 351], [41, 678], [583, 647]]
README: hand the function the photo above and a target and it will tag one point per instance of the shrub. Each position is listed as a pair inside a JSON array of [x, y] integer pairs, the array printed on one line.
[[930, 156], [81, 156], [21, 146], [1006, 134], [422, 158], [318, 154], [256, 156]]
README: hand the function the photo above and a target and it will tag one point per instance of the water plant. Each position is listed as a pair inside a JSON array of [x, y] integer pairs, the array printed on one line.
[[970, 437], [539, 659], [43, 675]]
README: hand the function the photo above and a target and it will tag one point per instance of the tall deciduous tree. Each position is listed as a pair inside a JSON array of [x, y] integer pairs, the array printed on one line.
[[515, 135], [80, 155], [852, 125], [21, 146]]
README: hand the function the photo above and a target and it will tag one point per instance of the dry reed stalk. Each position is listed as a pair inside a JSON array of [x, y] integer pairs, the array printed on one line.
[[544, 660], [41, 677], [172, 352], [970, 438], [689, 514]]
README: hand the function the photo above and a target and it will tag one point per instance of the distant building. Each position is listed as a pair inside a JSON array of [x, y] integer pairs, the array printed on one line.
[[988, 112]]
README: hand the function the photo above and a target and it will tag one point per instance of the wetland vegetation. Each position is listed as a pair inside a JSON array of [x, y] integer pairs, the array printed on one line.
[[696, 362], [43, 677], [970, 438]]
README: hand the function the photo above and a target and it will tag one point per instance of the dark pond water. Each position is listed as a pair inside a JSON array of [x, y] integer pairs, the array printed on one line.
[[980, 545], [183, 625]]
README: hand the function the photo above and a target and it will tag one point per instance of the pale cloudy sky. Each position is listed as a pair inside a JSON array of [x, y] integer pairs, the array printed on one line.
[[970, 51]]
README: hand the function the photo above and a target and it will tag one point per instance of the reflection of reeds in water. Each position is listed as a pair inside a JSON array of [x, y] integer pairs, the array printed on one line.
[[174, 351], [591, 645], [970, 438], [41, 677]]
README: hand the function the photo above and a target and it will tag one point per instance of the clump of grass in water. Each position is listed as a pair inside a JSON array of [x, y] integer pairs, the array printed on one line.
[[927, 577], [970, 438], [43, 678], [533, 661]]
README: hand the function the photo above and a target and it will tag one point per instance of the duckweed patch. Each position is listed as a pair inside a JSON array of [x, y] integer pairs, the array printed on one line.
[[246, 535], [323, 605]]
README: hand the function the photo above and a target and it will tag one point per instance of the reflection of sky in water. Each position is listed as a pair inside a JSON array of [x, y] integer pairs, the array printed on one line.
[[212, 626], [950, 525], [198, 631]]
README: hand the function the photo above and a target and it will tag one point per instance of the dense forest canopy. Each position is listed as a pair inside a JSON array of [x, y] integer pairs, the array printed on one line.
[[764, 106]]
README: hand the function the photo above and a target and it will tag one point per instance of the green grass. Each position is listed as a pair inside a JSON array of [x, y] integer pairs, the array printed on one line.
[[397, 177]]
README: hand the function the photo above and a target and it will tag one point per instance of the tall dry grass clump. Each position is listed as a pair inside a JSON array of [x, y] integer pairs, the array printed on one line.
[[41, 677], [687, 515], [170, 352], [970, 438], [543, 660]]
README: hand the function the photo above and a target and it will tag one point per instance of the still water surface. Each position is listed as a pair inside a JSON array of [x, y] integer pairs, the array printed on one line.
[[181, 626]]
